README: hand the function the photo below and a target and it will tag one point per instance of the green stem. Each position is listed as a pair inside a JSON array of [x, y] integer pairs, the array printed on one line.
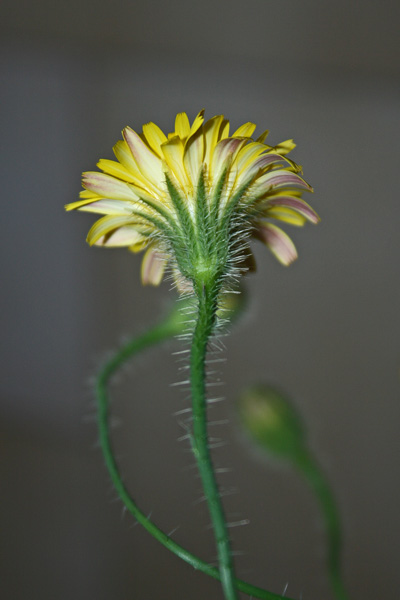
[[316, 479], [206, 317], [173, 325]]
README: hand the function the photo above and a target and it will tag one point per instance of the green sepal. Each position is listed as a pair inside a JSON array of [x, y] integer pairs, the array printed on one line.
[[202, 215], [182, 212], [157, 223], [163, 213], [216, 198], [232, 205]]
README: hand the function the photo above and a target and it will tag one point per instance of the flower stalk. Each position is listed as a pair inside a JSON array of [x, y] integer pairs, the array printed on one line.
[[307, 465], [206, 318]]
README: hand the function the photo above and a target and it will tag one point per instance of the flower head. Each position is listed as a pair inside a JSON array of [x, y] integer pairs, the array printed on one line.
[[193, 198]]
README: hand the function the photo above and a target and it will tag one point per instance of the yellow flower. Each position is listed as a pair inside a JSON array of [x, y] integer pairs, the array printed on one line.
[[199, 185]]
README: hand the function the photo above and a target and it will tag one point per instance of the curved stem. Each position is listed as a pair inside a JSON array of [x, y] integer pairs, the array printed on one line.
[[308, 466], [205, 322], [173, 325]]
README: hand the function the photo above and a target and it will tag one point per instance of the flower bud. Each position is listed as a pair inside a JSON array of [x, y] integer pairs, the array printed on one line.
[[270, 420]]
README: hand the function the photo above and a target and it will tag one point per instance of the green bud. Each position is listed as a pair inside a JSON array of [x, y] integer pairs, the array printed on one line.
[[270, 420]]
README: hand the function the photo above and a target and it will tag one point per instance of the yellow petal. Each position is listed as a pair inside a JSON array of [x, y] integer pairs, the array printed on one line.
[[278, 242], [116, 169], [140, 184], [155, 137], [286, 215], [107, 186], [225, 153], [261, 138], [224, 130], [173, 154], [138, 246], [285, 147], [86, 194], [102, 206], [182, 126], [282, 199], [281, 178], [248, 154], [123, 236], [153, 267], [245, 130], [245, 163], [79, 204], [124, 155], [197, 123], [211, 132], [149, 164], [193, 156], [104, 226], [277, 193], [259, 166]]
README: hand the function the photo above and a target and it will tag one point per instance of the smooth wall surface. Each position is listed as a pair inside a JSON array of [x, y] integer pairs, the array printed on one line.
[[326, 329]]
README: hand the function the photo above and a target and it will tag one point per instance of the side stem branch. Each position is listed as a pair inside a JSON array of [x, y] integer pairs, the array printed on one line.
[[318, 483]]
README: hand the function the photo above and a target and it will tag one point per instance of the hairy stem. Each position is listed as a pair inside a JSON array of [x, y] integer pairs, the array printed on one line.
[[317, 481], [173, 325], [205, 322]]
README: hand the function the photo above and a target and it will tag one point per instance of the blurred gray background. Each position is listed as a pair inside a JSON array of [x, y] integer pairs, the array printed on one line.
[[73, 74]]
